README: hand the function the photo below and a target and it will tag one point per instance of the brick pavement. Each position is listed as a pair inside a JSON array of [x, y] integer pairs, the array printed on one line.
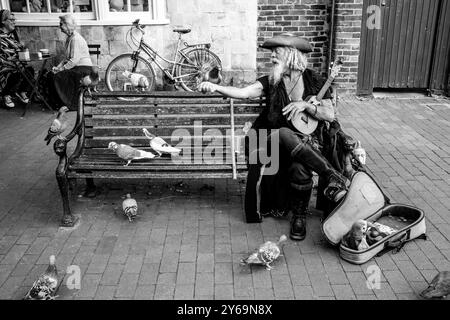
[[187, 242]]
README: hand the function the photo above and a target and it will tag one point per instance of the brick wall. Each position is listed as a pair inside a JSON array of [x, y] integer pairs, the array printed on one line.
[[347, 33], [311, 19], [306, 18]]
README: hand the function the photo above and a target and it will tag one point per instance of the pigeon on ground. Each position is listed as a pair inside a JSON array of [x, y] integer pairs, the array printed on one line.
[[267, 253], [159, 145], [129, 153], [439, 287], [45, 286], [130, 207], [137, 80], [360, 153], [58, 126]]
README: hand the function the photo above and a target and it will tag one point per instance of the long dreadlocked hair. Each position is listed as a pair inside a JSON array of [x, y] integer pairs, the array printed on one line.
[[295, 59]]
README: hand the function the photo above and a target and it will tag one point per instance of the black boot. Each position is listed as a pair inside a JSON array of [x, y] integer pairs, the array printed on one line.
[[91, 190], [314, 160], [299, 208]]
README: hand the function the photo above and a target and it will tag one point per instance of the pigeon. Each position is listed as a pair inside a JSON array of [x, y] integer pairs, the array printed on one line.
[[130, 207], [159, 145], [356, 238], [91, 81], [439, 287], [138, 80], [128, 153], [45, 286], [58, 126], [267, 253], [360, 153], [211, 73]]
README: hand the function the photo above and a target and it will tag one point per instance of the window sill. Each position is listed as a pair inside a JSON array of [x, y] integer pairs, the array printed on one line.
[[55, 22]]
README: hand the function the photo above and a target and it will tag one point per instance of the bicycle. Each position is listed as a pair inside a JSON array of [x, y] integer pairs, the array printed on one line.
[[190, 65]]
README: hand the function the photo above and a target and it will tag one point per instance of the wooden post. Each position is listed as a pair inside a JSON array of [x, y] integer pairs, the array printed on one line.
[[233, 147]]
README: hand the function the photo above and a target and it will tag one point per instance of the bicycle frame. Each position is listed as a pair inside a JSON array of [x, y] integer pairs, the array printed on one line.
[[153, 55]]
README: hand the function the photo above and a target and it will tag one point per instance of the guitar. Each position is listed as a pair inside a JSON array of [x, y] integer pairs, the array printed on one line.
[[306, 123]]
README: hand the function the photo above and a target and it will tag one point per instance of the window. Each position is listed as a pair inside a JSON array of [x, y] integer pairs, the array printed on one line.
[[88, 12]]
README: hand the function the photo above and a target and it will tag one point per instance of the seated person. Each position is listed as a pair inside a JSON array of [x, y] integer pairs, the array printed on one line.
[[286, 89], [64, 81], [12, 82]]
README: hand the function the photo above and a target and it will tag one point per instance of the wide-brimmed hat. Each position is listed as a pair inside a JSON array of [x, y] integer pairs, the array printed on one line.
[[288, 40]]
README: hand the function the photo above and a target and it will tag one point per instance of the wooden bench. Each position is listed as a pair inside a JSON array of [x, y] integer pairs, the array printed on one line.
[[208, 124]]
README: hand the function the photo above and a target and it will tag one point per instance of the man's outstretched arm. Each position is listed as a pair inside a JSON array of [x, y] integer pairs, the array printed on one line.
[[254, 90]]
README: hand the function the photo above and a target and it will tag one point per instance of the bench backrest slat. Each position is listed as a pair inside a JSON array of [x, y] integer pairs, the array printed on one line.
[[169, 115]]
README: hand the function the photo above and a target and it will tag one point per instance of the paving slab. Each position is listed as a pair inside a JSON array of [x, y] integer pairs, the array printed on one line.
[[188, 245]]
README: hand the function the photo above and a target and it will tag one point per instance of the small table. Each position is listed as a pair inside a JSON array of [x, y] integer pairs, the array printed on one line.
[[35, 83]]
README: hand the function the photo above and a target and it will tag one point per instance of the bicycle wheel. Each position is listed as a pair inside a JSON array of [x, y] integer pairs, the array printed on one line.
[[191, 69], [117, 81]]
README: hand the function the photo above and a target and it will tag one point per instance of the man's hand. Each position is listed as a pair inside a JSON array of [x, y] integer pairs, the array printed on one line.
[[313, 100], [207, 87], [294, 108], [55, 70]]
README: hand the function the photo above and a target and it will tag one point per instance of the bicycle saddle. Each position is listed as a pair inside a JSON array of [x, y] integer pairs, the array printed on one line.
[[182, 30]]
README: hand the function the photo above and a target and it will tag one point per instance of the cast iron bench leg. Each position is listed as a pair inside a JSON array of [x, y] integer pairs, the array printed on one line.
[[68, 220]]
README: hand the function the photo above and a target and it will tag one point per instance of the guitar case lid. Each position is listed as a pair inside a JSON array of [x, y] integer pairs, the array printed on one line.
[[364, 198]]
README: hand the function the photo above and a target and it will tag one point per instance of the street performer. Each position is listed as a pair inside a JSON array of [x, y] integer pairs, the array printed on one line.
[[285, 90]]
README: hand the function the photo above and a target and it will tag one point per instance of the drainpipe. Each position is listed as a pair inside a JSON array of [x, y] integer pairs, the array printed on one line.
[[433, 53], [331, 36]]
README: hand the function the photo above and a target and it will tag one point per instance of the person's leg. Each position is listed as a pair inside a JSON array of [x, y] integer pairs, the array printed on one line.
[[10, 88], [91, 189], [312, 159], [24, 86], [53, 96], [301, 189]]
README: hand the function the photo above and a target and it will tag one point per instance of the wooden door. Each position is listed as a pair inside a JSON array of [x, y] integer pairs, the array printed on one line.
[[400, 54]]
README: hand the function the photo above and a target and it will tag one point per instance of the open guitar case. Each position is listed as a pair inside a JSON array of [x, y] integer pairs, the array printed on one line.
[[365, 200]]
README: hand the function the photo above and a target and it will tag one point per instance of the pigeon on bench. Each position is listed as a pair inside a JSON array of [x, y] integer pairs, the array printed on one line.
[[129, 153], [91, 81], [159, 145], [58, 126]]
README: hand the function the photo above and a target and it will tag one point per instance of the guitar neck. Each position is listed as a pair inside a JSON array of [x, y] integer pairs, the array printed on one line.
[[324, 88]]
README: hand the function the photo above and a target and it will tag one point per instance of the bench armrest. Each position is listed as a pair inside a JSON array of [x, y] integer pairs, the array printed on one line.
[[60, 145]]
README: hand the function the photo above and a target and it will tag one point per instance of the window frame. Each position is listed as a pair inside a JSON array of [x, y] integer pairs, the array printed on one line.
[[100, 16]]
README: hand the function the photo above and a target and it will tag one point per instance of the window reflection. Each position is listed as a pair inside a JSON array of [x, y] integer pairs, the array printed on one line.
[[18, 5], [55, 6], [60, 5], [82, 5], [122, 5]]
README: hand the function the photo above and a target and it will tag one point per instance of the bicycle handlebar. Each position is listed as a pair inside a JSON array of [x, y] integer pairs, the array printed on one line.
[[138, 26]]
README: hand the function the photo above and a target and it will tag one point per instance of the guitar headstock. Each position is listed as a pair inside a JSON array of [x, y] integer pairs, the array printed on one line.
[[337, 65]]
